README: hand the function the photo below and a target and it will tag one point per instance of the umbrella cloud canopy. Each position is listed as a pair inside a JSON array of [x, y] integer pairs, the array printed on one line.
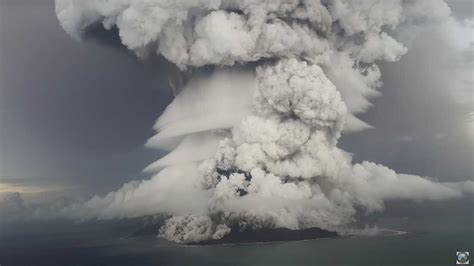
[[253, 136]]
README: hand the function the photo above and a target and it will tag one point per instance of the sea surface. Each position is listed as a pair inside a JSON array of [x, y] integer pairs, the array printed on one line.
[[429, 240]]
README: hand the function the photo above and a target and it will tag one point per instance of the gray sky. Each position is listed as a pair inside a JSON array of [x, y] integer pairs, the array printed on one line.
[[72, 114], [421, 119], [76, 115]]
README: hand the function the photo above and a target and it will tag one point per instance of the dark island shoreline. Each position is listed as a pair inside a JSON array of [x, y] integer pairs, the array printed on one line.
[[250, 236], [246, 236]]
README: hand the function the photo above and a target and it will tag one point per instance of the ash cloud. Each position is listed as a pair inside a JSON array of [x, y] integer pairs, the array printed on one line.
[[254, 142]]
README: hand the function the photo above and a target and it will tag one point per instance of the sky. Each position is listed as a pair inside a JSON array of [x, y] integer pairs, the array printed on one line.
[[74, 116]]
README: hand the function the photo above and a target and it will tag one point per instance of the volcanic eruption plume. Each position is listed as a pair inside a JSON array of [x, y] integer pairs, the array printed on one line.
[[253, 139]]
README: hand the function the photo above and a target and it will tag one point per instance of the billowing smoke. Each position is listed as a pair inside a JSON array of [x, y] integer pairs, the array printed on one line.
[[253, 135]]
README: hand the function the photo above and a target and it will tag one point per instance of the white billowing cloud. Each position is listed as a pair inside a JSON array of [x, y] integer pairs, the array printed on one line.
[[192, 148], [206, 104], [174, 190], [254, 144], [222, 32], [200, 32], [220, 37], [192, 228]]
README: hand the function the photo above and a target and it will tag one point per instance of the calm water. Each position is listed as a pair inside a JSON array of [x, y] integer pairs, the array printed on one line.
[[410, 249], [431, 240]]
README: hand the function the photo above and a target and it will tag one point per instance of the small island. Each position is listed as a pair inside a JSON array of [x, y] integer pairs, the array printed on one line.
[[268, 235]]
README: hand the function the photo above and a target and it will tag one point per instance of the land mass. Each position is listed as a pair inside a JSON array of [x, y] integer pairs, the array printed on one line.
[[236, 236], [268, 235]]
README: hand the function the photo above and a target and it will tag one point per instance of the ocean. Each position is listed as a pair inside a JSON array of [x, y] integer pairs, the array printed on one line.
[[429, 240]]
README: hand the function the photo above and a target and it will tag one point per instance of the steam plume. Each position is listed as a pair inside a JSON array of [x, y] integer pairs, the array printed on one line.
[[254, 144]]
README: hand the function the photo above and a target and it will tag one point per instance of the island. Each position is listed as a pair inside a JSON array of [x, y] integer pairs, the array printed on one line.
[[249, 236]]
